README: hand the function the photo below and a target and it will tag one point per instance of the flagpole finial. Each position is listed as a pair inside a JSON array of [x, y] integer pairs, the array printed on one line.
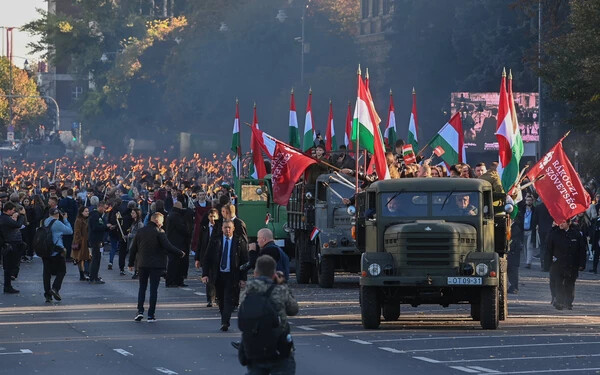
[[391, 92], [310, 91], [358, 71], [503, 72], [236, 100], [349, 103], [254, 104], [330, 101], [414, 91], [509, 73], [292, 90], [367, 73]]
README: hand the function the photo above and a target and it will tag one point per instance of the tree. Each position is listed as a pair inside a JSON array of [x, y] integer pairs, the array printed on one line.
[[24, 110]]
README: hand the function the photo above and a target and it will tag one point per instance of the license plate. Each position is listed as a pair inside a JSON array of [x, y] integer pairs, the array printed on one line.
[[464, 281]]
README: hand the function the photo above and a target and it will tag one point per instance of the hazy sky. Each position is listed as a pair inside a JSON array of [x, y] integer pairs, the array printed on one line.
[[17, 13]]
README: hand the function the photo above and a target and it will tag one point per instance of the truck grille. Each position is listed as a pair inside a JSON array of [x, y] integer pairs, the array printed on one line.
[[430, 251]]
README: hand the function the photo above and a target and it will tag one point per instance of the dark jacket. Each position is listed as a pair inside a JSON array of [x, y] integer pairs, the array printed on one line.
[[97, 228], [566, 252], [283, 261], [11, 229], [240, 229], [150, 247], [179, 228], [543, 220], [69, 206], [205, 237], [214, 251]]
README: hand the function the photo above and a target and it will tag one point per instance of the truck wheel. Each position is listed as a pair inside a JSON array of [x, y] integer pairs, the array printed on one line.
[[391, 311], [370, 307], [314, 273], [503, 298], [489, 307], [326, 269], [476, 311], [303, 272]]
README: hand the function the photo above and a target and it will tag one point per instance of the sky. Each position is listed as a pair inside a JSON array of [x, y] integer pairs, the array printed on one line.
[[17, 13]]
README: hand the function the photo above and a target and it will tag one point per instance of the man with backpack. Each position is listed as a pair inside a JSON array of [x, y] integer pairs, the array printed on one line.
[[267, 346], [55, 263]]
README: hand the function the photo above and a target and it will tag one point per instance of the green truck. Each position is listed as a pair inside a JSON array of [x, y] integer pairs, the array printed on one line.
[[431, 241]]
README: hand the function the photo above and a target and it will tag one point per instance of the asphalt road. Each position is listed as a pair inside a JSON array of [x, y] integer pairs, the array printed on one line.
[[92, 332]]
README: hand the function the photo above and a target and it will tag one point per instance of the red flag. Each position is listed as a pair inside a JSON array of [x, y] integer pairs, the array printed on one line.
[[348, 133], [561, 190], [287, 167], [255, 144], [330, 132], [439, 151], [408, 154]]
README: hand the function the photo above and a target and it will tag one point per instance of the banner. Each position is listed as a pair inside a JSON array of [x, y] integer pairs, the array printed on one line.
[[287, 167], [561, 190]]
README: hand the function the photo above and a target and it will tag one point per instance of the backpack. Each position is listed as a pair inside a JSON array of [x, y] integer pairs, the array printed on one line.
[[263, 336], [43, 243]]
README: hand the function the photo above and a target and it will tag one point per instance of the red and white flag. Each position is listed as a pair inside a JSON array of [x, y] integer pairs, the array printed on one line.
[[408, 154], [330, 143], [561, 189], [438, 151], [348, 132], [257, 169]]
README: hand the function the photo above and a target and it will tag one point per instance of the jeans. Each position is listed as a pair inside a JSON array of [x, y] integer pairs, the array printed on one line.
[[154, 275], [68, 241], [95, 264], [56, 265], [114, 248], [284, 366]]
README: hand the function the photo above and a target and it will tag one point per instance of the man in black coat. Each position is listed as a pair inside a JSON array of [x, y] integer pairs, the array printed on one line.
[[224, 256], [69, 206], [97, 227], [149, 255], [11, 243], [543, 221], [566, 252], [179, 233], [228, 213], [206, 233]]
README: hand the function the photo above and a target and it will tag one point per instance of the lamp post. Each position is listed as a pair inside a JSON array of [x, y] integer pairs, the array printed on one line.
[[281, 17]]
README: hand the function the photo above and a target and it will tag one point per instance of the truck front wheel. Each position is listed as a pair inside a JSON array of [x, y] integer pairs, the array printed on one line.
[[391, 311], [370, 307], [326, 271], [303, 272], [489, 307]]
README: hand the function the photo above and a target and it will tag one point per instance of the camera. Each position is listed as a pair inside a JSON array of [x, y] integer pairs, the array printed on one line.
[[245, 267]]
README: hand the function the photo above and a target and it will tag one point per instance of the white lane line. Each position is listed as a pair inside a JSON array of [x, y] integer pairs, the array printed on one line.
[[548, 371], [200, 294], [123, 352], [188, 289], [427, 359], [305, 328], [501, 346], [391, 350], [483, 369], [521, 358], [165, 371], [465, 369], [361, 342], [22, 351], [481, 337], [330, 334]]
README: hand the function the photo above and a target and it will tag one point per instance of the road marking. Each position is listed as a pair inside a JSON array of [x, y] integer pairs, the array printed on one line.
[[362, 342], [22, 351], [480, 337], [427, 359], [465, 369], [199, 294], [331, 334], [165, 370], [501, 346], [123, 352], [391, 350], [547, 371], [305, 328], [483, 369], [188, 289], [521, 358]]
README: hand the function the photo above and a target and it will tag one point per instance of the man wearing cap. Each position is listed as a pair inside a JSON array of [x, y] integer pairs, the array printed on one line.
[[55, 263]]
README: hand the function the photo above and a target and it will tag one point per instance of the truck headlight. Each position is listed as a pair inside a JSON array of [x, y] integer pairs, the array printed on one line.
[[481, 269], [374, 269]]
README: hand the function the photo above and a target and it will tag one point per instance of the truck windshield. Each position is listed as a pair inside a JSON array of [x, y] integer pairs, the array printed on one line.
[[455, 203], [404, 204]]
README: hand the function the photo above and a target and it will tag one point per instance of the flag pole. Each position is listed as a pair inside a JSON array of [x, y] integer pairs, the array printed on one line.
[[357, 137], [239, 148]]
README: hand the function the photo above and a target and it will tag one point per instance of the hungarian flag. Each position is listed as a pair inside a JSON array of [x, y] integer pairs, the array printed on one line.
[[309, 126], [451, 139], [365, 127], [287, 165], [348, 131], [330, 142], [257, 168], [408, 154], [294, 138], [236, 145], [389, 135], [561, 189], [413, 123], [314, 233], [509, 138]]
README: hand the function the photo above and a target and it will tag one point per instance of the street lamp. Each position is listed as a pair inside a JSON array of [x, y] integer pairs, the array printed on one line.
[[281, 17]]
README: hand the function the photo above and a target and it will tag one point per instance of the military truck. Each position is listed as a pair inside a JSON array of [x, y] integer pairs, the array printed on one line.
[[255, 205], [432, 241], [318, 209]]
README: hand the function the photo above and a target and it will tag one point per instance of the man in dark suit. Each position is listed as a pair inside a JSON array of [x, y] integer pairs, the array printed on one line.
[[179, 233], [224, 256], [150, 247], [68, 205], [206, 233], [228, 213]]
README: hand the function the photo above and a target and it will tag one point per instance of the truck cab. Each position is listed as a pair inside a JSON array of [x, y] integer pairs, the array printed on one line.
[[431, 241]]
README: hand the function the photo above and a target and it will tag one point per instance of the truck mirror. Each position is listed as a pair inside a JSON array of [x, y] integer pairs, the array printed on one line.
[[351, 210]]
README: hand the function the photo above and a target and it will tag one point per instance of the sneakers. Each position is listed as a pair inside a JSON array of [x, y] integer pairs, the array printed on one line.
[[224, 327], [151, 319], [55, 294], [139, 317], [122, 273], [48, 298], [110, 266], [97, 281]]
